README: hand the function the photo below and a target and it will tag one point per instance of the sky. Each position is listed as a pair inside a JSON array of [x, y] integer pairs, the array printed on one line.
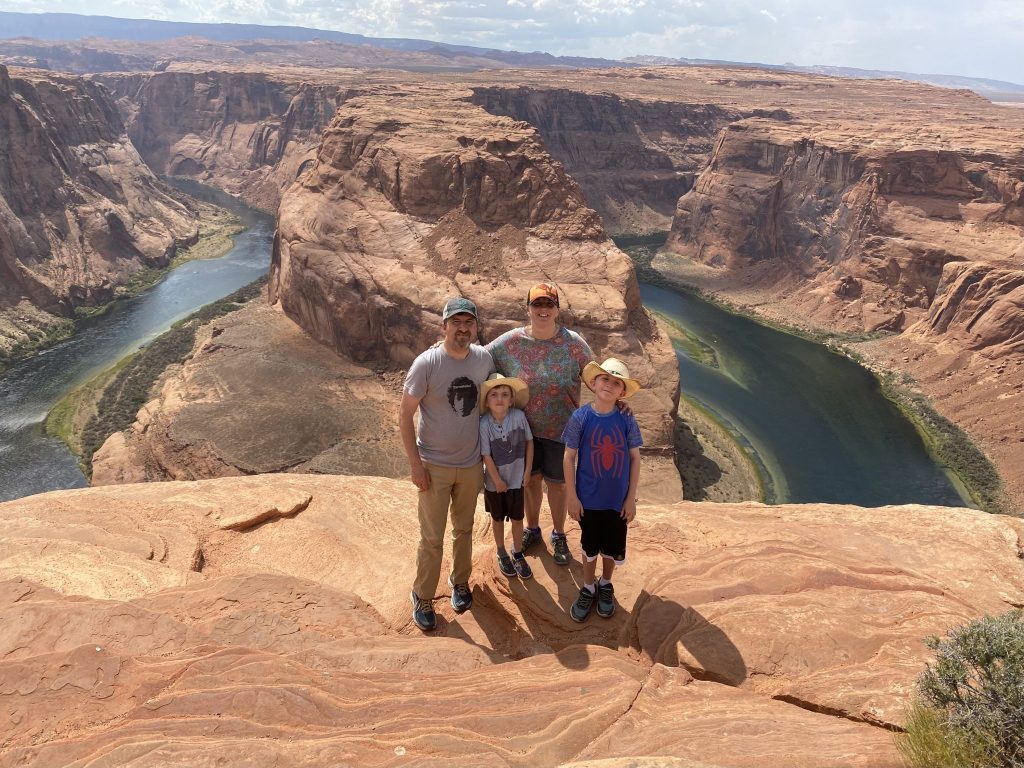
[[982, 38]]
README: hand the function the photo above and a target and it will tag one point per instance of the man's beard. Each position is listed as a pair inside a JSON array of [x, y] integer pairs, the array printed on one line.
[[463, 340]]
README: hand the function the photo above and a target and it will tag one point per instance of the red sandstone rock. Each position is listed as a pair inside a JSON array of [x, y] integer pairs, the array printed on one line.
[[292, 641], [79, 211]]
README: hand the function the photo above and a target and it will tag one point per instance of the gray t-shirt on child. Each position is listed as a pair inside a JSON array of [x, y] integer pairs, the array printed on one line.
[[449, 433], [505, 443]]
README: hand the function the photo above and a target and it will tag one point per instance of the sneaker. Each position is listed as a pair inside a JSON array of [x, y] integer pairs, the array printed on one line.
[[605, 600], [522, 567], [505, 564], [422, 613], [561, 549], [529, 539], [581, 608], [462, 598]]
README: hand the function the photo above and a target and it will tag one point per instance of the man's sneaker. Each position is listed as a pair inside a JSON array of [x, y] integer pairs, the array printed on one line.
[[505, 564], [605, 600], [530, 538], [422, 613], [561, 549], [522, 567], [462, 598], [581, 608]]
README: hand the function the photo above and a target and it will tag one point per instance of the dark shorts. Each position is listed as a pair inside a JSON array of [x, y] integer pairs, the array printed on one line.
[[604, 533], [504, 506], [547, 459]]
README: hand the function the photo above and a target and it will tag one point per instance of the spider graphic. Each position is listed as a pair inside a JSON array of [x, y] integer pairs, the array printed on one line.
[[607, 452]]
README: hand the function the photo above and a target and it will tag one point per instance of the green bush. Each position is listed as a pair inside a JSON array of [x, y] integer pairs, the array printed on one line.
[[970, 710]]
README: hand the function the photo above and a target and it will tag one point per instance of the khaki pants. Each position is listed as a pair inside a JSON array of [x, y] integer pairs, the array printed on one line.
[[460, 488]]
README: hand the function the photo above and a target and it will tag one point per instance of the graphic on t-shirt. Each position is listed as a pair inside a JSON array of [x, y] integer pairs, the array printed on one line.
[[462, 396], [607, 452]]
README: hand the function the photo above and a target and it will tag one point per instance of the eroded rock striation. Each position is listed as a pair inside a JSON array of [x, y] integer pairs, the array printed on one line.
[[80, 212], [417, 195], [265, 617]]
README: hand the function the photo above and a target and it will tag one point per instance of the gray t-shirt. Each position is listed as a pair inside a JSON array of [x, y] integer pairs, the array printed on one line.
[[505, 443], [449, 429]]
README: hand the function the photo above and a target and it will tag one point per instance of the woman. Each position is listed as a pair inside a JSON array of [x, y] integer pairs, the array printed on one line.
[[550, 358]]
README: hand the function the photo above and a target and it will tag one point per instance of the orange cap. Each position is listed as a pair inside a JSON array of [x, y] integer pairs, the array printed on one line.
[[543, 291]]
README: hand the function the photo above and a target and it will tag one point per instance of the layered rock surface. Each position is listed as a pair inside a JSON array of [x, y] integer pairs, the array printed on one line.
[[80, 213], [265, 618], [258, 395]]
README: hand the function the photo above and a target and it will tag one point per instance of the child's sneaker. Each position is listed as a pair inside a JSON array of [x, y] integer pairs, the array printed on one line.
[[560, 547], [530, 537], [581, 608], [605, 600], [505, 564], [522, 567]]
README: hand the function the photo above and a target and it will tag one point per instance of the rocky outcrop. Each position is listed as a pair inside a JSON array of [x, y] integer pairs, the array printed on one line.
[[633, 158], [265, 619], [417, 195], [247, 132], [80, 213], [258, 395]]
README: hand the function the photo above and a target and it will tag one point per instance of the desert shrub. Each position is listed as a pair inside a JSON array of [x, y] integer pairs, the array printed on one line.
[[970, 708]]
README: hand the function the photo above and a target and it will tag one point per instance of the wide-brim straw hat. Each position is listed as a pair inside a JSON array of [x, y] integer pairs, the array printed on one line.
[[613, 367], [520, 391]]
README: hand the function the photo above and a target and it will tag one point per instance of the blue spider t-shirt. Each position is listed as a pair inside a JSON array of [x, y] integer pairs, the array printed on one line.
[[603, 441]]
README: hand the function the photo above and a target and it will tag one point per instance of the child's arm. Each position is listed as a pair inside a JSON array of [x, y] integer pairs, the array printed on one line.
[[629, 507], [492, 469], [569, 470], [529, 463]]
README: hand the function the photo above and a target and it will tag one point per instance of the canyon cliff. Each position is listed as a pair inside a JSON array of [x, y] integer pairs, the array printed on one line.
[[80, 213], [417, 195], [266, 619]]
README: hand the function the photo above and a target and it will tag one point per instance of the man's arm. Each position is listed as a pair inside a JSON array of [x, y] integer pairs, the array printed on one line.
[[420, 476]]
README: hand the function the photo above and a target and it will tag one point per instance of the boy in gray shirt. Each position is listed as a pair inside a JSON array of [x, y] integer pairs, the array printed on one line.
[[506, 446]]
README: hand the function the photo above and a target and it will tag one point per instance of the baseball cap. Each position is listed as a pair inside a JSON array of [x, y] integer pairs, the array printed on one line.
[[543, 291], [458, 305]]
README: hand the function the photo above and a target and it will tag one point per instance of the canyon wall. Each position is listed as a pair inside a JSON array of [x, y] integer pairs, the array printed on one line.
[[248, 132], [633, 158], [417, 195], [80, 213]]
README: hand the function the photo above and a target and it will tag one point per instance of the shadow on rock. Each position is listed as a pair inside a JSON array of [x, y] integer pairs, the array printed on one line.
[[668, 633], [698, 471]]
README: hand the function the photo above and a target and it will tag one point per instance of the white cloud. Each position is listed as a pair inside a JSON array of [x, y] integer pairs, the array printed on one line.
[[981, 39]]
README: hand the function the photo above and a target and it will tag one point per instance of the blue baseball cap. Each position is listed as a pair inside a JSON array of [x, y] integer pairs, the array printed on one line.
[[456, 306]]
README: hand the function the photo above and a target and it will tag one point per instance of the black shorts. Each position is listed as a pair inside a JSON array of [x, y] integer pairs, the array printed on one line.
[[504, 506], [604, 533], [547, 459]]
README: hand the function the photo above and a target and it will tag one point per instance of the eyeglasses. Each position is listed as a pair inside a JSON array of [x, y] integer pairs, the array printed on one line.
[[545, 303]]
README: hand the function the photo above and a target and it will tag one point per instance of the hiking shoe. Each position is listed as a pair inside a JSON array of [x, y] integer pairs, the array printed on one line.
[[529, 539], [561, 549], [462, 598], [522, 567], [605, 600], [581, 608], [422, 613], [505, 564]]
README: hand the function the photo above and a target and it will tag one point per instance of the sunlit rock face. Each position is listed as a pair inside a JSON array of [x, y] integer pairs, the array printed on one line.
[[417, 195], [80, 213], [267, 618]]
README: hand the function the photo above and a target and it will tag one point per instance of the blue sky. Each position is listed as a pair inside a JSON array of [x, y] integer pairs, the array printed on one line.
[[984, 38]]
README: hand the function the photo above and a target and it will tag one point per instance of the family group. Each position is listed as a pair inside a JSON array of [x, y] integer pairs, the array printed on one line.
[[506, 418]]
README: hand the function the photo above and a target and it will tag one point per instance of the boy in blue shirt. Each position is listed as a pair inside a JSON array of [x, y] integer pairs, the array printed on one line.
[[602, 471], [506, 447]]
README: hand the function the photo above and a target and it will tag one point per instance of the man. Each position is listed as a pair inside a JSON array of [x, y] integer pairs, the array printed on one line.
[[444, 453]]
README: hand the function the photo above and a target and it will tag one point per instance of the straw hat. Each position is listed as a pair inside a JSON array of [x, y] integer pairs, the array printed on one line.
[[520, 392], [612, 367]]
